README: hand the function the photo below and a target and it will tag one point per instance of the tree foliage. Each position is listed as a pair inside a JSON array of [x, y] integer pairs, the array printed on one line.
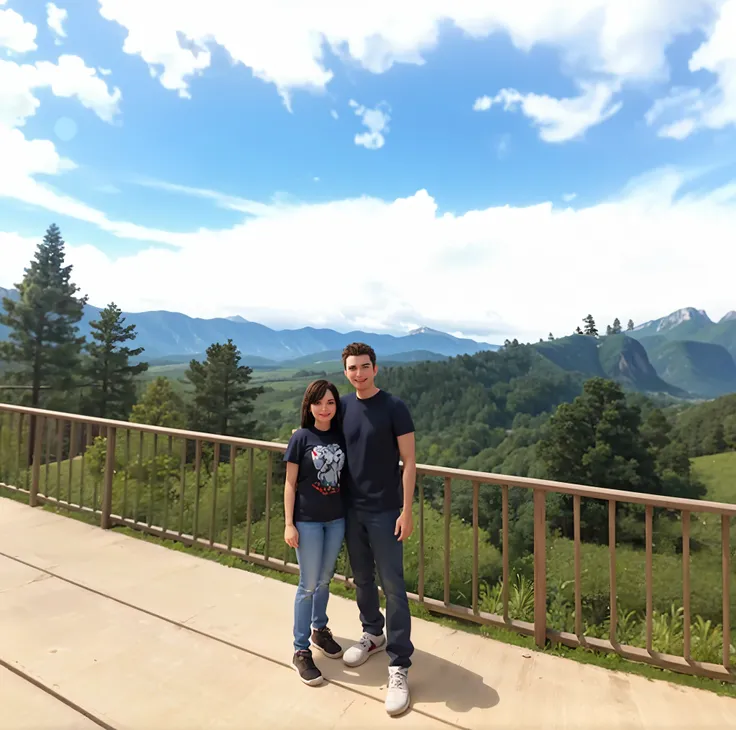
[[160, 405], [108, 369], [43, 347], [223, 400], [590, 328]]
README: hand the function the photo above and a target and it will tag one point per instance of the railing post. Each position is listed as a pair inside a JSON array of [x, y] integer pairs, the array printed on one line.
[[109, 474], [37, 437], [540, 568]]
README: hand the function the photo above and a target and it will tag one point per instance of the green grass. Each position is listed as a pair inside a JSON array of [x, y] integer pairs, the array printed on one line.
[[718, 473], [604, 660]]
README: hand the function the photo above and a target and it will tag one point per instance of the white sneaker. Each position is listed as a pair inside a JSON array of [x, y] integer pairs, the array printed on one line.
[[397, 697], [359, 653]]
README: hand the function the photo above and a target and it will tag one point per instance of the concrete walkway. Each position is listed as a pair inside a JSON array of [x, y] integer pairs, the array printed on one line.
[[138, 636]]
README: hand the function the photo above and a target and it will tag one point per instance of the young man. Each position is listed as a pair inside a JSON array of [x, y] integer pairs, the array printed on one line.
[[378, 431]]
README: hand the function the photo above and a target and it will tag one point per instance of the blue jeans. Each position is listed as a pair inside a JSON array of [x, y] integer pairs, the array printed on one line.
[[372, 545], [319, 546]]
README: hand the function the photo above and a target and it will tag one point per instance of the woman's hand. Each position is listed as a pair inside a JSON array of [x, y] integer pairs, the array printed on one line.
[[291, 536]]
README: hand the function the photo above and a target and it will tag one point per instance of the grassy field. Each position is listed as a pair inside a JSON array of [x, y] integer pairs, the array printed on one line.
[[718, 473]]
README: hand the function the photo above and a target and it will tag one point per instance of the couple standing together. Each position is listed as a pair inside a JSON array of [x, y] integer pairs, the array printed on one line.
[[343, 481]]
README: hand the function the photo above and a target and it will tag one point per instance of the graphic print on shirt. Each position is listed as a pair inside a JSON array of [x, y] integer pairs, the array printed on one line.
[[328, 461]]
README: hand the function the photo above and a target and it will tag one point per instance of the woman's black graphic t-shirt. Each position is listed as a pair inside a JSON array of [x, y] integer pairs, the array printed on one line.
[[321, 458]]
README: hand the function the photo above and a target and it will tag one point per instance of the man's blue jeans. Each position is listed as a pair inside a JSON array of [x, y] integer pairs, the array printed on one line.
[[372, 545], [319, 546]]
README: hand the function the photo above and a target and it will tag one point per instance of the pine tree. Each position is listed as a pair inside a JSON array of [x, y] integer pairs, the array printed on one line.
[[609, 329], [590, 328], [551, 337], [616, 329], [108, 369], [223, 401], [630, 325], [160, 405], [578, 331], [43, 347]]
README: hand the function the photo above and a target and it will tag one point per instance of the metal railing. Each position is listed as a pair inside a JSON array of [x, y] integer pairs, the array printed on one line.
[[173, 483]]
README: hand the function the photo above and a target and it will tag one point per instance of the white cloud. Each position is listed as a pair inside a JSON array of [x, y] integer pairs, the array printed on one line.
[[620, 40], [559, 120], [377, 122], [104, 71], [569, 197], [15, 33], [55, 18], [334, 114], [687, 110], [651, 226]]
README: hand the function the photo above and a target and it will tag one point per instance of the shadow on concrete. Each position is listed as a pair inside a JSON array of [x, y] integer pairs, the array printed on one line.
[[432, 679]]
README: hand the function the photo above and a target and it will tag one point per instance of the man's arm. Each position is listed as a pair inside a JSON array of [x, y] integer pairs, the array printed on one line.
[[407, 450]]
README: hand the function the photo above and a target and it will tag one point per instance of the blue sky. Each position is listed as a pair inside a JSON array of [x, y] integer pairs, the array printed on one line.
[[484, 170]]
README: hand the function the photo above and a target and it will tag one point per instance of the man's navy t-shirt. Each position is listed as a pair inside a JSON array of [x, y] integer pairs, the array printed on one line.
[[321, 458], [371, 427]]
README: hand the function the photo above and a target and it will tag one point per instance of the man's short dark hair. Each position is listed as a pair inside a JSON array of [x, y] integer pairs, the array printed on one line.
[[358, 348]]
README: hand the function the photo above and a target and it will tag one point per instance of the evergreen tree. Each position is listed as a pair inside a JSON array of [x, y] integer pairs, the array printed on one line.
[[616, 329], [551, 337], [609, 329], [108, 368], [43, 347], [578, 331], [223, 401], [160, 405], [630, 325], [590, 328]]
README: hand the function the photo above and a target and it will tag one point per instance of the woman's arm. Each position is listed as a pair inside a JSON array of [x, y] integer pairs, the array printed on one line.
[[291, 535]]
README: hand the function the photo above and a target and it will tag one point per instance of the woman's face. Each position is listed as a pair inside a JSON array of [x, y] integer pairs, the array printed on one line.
[[324, 410]]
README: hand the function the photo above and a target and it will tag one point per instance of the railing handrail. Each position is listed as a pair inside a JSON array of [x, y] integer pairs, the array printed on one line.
[[604, 493]]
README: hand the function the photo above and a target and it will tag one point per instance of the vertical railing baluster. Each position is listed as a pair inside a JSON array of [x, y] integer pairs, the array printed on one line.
[[59, 454], [249, 501], [169, 453], [137, 495], [505, 575], [182, 484], [231, 498], [269, 477], [612, 569], [83, 436], [579, 631], [152, 481], [47, 479], [197, 484], [476, 495], [19, 453], [126, 473], [648, 530], [420, 557], [540, 568], [106, 506], [726, 567], [686, 584], [37, 447], [215, 483], [72, 448], [447, 513]]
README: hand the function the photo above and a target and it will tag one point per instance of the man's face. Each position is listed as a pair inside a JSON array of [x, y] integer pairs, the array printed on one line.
[[360, 372]]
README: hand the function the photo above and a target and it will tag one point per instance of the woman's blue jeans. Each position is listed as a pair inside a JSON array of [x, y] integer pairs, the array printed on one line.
[[319, 546]]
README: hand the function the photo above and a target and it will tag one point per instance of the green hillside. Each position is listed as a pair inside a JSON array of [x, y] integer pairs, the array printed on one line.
[[617, 357], [718, 473], [701, 368]]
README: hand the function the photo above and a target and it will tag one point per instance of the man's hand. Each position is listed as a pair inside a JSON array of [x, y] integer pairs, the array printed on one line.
[[404, 525]]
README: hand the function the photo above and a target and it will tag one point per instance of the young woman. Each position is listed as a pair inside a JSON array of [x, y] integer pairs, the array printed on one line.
[[315, 524]]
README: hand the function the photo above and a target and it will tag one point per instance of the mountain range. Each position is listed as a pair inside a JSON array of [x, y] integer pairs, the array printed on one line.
[[685, 354], [165, 334]]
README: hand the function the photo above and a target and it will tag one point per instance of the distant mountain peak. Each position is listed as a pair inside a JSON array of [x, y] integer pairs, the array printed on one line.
[[428, 331], [729, 316], [237, 318], [687, 314]]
